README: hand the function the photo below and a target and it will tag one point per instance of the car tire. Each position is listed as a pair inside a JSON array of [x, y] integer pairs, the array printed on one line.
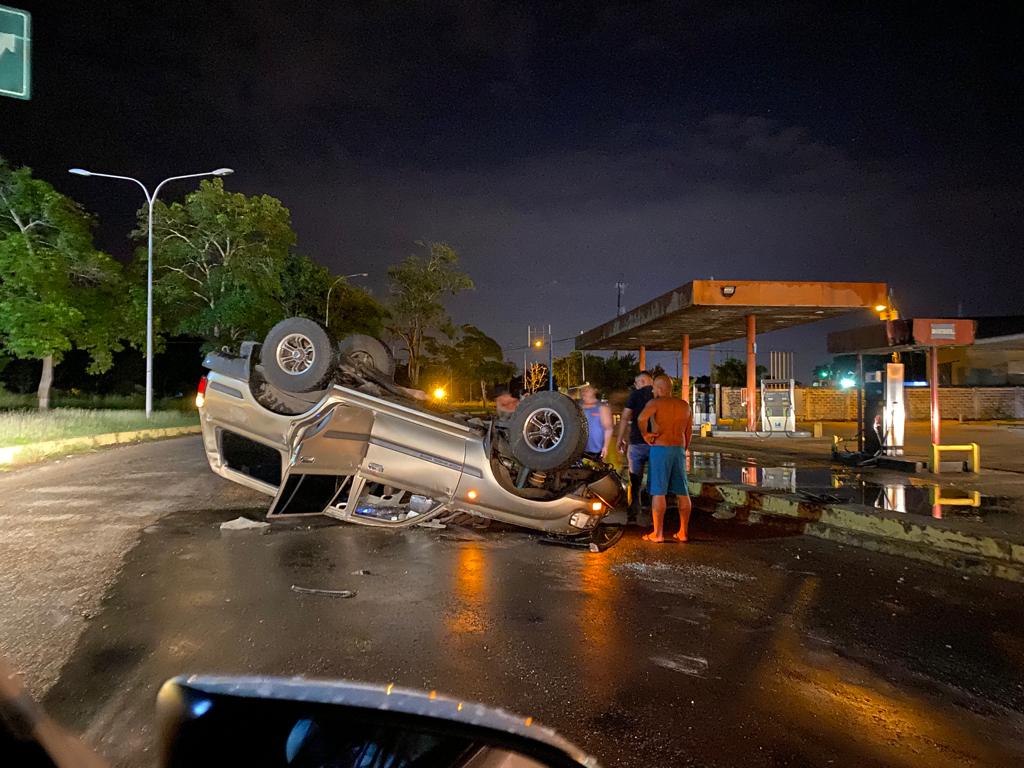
[[369, 351], [298, 355], [280, 402], [547, 431]]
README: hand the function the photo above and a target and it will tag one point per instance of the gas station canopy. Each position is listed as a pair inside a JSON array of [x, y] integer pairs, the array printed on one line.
[[714, 311], [902, 336]]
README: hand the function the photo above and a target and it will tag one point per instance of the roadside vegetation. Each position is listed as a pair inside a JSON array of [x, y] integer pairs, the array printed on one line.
[[16, 401], [26, 427], [227, 267]]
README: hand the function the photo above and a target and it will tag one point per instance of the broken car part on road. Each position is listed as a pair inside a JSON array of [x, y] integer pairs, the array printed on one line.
[[323, 429]]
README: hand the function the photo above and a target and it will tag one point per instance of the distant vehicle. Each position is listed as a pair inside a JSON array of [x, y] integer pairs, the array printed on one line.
[[323, 429]]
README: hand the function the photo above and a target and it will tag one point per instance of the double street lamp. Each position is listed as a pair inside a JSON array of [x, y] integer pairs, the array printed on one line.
[[150, 199]]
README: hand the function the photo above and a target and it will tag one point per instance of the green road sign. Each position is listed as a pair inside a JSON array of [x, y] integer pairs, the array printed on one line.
[[15, 44]]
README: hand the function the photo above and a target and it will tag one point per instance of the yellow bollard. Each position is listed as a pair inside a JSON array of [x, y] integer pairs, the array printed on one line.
[[973, 463]]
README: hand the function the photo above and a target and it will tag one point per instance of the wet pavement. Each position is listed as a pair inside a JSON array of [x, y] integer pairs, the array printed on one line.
[[66, 525], [730, 651], [964, 498]]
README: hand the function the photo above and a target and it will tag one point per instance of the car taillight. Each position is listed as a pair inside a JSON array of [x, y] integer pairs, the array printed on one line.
[[201, 393]]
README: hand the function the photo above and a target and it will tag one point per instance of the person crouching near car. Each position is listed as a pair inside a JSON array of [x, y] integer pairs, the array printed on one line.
[[599, 423], [667, 426]]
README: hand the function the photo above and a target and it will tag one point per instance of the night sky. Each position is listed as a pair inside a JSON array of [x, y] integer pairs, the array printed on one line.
[[561, 147]]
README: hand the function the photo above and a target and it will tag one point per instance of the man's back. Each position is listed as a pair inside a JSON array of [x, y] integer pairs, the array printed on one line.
[[668, 420]]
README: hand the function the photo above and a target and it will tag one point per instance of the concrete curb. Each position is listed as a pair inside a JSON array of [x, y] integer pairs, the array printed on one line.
[[15, 454], [935, 541]]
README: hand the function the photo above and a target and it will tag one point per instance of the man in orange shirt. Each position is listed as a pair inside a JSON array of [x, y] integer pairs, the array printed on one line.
[[667, 425]]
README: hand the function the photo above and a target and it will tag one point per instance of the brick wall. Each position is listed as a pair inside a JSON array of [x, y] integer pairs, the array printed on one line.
[[969, 403]]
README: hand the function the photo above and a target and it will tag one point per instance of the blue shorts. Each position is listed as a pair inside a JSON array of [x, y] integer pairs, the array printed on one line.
[[637, 456], [666, 472]]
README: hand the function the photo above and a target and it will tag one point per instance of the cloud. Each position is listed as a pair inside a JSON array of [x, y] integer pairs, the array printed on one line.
[[547, 236]]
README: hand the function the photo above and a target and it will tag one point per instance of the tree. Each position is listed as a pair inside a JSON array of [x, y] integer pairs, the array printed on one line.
[[418, 285], [535, 378], [823, 375], [469, 356], [220, 259], [480, 358], [305, 286], [56, 290], [606, 374], [733, 373]]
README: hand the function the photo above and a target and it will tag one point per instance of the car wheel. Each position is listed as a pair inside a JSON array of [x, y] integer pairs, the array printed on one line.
[[298, 355], [369, 351], [547, 431]]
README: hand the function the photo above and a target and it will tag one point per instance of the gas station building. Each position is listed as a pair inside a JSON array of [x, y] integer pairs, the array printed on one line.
[[705, 312]]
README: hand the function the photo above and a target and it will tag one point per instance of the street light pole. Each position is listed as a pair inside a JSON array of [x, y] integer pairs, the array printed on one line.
[[327, 312], [150, 199], [551, 362], [529, 343]]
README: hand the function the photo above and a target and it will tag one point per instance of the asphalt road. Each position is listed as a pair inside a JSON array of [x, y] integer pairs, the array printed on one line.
[[730, 651]]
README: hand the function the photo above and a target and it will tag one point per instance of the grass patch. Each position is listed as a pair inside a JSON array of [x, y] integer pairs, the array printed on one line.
[[10, 401], [24, 427]]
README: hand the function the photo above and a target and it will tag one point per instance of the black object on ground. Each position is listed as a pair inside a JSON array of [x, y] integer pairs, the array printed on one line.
[[328, 592], [602, 538]]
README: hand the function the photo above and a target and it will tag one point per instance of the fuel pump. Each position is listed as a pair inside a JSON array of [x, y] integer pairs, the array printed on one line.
[[704, 404], [885, 414], [778, 406]]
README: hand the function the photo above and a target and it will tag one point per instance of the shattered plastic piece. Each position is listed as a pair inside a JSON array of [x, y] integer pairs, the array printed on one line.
[[433, 524], [328, 592], [245, 524], [361, 572]]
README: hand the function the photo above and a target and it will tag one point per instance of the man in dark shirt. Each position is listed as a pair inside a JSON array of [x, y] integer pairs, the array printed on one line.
[[636, 450]]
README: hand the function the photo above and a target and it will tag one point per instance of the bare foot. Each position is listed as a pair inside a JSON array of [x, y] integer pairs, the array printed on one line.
[[680, 537], [651, 537]]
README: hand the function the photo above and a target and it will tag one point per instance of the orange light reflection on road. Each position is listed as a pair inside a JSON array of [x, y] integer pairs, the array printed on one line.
[[599, 626], [469, 616]]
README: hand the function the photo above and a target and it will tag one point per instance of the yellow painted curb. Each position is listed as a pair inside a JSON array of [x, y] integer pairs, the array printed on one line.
[[12, 454]]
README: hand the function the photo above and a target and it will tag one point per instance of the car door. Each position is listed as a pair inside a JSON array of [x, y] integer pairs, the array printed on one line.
[[325, 456], [416, 451]]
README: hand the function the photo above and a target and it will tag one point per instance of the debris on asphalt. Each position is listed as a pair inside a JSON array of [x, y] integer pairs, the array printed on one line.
[[695, 666], [328, 592], [245, 524], [361, 572], [432, 524]]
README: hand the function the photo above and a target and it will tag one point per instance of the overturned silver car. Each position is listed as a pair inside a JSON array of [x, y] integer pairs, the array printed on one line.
[[323, 429]]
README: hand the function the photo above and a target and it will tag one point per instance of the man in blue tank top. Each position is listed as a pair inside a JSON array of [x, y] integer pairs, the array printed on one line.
[[599, 422]]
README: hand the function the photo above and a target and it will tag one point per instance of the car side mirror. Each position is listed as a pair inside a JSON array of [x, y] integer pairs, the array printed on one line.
[[262, 722]]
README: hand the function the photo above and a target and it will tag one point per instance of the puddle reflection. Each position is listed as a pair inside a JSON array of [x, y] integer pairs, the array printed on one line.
[[844, 485]]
